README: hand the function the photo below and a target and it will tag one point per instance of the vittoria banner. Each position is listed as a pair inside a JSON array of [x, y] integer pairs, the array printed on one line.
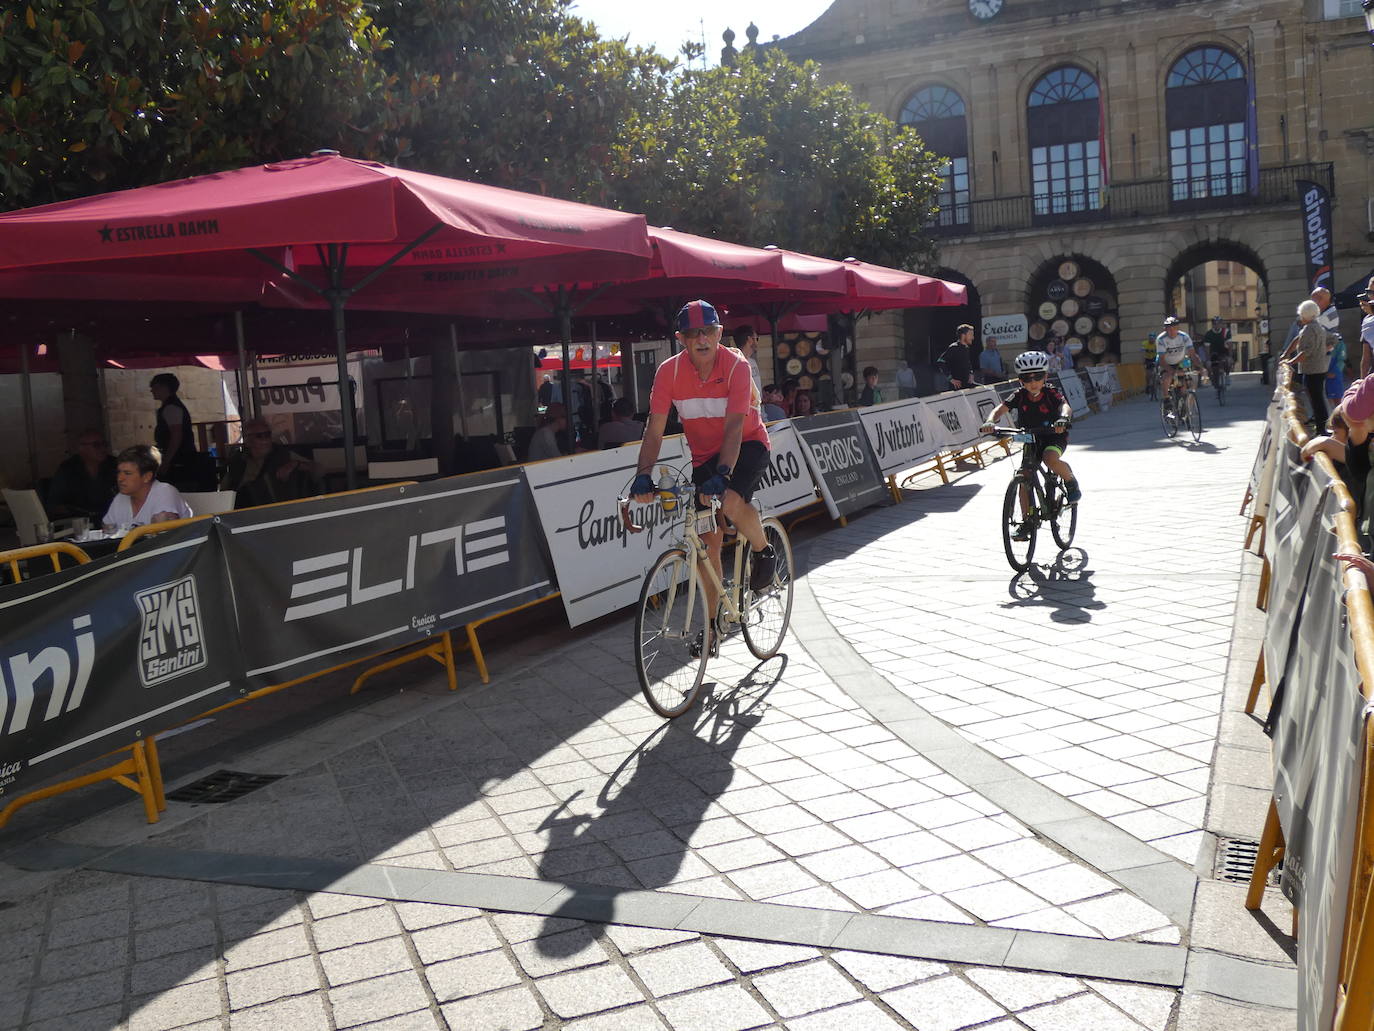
[[901, 433], [320, 582], [1316, 233], [98, 656]]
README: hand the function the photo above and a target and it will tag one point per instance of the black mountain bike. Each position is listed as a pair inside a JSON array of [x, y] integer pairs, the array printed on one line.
[[1221, 380], [1179, 409], [1035, 496]]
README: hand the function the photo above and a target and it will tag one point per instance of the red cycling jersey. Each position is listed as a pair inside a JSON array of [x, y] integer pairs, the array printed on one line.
[[703, 404]]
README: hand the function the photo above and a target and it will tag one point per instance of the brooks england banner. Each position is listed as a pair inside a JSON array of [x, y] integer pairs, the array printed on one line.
[[837, 451], [1316, 234], [317, 583], [901, 433], [786, 485], [600, 566], [99, 656]]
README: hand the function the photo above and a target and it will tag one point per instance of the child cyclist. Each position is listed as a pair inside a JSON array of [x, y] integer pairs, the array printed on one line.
[[1038, 405]]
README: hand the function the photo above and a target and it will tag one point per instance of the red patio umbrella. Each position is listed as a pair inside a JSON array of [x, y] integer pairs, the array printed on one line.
[[327, 225]]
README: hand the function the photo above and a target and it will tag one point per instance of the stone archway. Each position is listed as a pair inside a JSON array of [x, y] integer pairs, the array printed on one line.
[[1221, 250], [1076, 298], [928, 331]]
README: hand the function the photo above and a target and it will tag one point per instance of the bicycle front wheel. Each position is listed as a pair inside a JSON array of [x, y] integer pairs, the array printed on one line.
[[672, 635], [1169, 417], [1221, 389], [1063, 516], [766, 612], [1194, 417], [1019, 552]]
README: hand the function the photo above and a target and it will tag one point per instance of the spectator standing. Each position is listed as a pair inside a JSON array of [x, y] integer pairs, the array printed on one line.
[[1056, 363], [84, 484], [264, 471], [173, 434], [747, 341], [958, 360], [623, 427], [1307, 355], [906, 380], [990, 362], [1335, 369], [870, 395], [1366, 299]]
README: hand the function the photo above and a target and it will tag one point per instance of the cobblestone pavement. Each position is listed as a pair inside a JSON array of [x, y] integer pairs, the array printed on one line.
[[958, 799]]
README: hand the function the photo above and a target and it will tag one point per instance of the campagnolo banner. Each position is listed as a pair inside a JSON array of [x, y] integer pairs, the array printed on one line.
[[786, 485], [957, 417], [901, 433], [838, 453], [102, 655], [599, 565], [319, 582]]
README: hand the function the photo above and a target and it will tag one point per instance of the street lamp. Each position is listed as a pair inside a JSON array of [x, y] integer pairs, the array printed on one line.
[[1368, 6]]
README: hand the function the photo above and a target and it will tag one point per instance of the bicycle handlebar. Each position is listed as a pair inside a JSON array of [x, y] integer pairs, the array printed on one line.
[[1014, 431]]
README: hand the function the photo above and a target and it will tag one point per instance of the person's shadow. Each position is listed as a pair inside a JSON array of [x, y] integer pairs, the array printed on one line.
[[668, 781], [1065, 586]]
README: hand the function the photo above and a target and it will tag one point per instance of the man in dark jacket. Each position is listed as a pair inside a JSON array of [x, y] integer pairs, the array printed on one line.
[[957, 360]]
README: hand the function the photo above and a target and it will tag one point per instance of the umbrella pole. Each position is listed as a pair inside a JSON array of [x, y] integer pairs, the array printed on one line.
[[241, 380], [458, 380], [30, 430], [595, 386], [565, 334]]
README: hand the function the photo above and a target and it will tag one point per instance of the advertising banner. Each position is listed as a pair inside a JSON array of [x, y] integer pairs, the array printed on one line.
[[99, 656], [1290, 544], [1072, 389], [1316, 234], [983, 400], [841, 462], [1318, 739], [1102, 378], [786, 485], [900, 434], [599, 566], [1007, 329], [320, 582], [302, 401], [958, 418], [1262, 473]]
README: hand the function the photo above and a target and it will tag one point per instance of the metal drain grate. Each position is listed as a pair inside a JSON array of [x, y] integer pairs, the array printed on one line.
[[1236, 859], [222, 786]]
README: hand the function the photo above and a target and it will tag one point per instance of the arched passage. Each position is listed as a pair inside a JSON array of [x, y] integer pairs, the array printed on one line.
[[1073, 298], [928, 331], [1221, 278]]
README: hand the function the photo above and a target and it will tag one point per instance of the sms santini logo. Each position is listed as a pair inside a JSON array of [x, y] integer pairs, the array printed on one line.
[[171, 640]]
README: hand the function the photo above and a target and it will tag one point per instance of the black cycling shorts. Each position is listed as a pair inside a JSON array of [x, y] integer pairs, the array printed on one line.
[[744, 477]]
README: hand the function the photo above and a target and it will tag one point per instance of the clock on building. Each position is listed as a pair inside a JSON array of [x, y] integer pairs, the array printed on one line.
[[984, 10]]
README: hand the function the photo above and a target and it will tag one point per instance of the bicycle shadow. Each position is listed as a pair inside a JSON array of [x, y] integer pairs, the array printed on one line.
[[670, 778], [1065, 586]]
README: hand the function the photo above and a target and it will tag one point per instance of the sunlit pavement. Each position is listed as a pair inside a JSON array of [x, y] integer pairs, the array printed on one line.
[[959, 798]]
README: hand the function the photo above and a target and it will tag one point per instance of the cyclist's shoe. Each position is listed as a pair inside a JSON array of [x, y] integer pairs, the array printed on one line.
[[763, 564], [1072, 492], [694, 649], [1023, 531]]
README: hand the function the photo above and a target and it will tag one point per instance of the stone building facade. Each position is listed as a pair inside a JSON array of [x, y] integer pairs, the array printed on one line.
[[1135, 138]]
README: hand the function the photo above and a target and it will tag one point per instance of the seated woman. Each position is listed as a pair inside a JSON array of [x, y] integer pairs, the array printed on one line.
[[142, 497], [265, 471]]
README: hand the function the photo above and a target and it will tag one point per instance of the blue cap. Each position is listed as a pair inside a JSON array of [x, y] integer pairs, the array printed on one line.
[[697, 315]]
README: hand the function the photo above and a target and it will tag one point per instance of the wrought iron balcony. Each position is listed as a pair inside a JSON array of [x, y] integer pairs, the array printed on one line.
[[1276, 187]]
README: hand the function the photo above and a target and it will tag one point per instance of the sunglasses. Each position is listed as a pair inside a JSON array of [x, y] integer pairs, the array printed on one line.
[[1030, 377], [692, 334]]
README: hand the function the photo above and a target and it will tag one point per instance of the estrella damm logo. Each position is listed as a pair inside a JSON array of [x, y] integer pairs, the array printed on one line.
[[171, 636]]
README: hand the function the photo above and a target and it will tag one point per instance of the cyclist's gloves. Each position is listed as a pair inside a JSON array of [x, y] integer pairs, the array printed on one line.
[[1061, 424], [987, 427], [716, 484], [643, 484]]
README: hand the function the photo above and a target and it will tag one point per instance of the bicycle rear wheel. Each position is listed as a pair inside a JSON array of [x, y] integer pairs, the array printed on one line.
[[767, 612], [1063, 516], [670, 626], [1166, 411], [1019, 553], [1194, 416], [1222, 383]]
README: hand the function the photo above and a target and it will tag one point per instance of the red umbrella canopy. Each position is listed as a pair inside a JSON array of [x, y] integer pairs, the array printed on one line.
[[210, 226], [876, 287]]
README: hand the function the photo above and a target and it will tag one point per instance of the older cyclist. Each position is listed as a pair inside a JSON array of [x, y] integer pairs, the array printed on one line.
[[1173, 347], [713, 391]]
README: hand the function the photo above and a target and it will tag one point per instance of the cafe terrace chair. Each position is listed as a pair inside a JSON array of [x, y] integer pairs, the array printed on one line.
[[28, 511], [209, 502], [506, 453], [413, 469]]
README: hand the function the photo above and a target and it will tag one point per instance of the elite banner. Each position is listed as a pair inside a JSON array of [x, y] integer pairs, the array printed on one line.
[[99, 656], [1316, 234], [786, 485], [841, 462], [317, 583], [901, 433], [1318, 742], [599, 566]]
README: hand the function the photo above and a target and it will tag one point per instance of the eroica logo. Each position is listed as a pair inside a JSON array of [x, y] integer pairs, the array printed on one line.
[[171, 637]]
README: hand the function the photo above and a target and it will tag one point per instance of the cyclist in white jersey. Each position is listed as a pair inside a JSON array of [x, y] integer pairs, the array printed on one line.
[[1172, 347]]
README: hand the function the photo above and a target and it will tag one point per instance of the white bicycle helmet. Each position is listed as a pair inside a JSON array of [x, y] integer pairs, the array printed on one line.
[[1032, 361]]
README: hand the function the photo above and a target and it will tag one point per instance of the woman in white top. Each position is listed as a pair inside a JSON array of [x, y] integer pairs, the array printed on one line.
[[142, 497]]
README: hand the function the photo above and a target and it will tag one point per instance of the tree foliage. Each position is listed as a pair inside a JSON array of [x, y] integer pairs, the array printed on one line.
[[98, 95]]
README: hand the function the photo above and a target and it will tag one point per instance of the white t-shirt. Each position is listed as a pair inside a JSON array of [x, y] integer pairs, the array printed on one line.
[[162, 497], [1367, 330], [1173, 349]]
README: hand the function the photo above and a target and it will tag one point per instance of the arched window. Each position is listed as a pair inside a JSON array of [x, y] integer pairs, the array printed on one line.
[[1064, 126], [937, 112], [1207, 103]]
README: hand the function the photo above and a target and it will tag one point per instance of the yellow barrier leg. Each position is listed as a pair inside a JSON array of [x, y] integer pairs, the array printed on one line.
[[1256, 682], [1246, 502], [446, 657], [430, 651], [892, 486], [116, 773], [940, 467], [1256, 524], [155, 772], [1270, 854], [145, 787], [1262, 596], [477, 656]]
